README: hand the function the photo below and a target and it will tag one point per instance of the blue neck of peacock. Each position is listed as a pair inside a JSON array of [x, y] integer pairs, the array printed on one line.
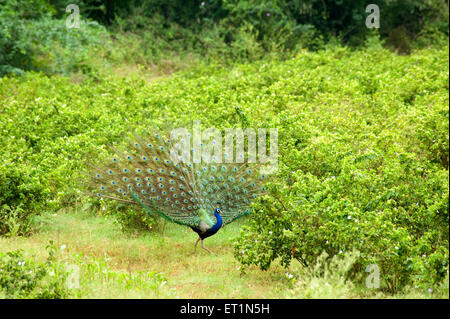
[[217, 225]]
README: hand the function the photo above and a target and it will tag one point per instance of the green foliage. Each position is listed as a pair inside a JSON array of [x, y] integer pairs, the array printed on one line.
[[64, 276], [283, 24], [363, 144], [129, 218], [21, 277], [32, 39], [432, 133], [34, 36], [135, 220], [326, 279], [66, 50], [373, 179], [21, 196], [391, 226]]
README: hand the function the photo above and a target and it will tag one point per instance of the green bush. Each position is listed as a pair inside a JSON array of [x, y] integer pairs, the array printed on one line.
[[432, 134], [31, 38], [34, 36], [287, 23], [390, 223], [365, 171], [326, 279], [22, 195], [362, 145], [21, 277], [130, 219]]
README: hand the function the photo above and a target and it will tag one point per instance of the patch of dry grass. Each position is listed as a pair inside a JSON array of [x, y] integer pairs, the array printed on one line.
[[98, 243]]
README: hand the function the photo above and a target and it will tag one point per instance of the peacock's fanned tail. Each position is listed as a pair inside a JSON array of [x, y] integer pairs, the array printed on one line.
[[181, 192]]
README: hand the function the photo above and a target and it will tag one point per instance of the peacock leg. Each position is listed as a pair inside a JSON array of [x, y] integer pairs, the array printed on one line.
[[203, 246], [195, 246]]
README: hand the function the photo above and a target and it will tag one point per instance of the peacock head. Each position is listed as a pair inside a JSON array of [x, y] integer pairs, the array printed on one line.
[[218, 210]]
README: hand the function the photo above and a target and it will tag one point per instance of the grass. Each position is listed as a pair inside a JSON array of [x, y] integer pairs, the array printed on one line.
[[200, 275], [115, 264]]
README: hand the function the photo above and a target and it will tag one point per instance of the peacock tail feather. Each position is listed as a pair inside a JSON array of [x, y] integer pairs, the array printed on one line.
[[185, 193]]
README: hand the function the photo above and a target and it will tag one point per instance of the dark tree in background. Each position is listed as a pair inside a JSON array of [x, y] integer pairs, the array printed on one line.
[[233, 29], [330, 17]]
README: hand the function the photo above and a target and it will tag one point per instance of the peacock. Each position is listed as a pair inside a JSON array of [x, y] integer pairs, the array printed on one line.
[[204, 196]]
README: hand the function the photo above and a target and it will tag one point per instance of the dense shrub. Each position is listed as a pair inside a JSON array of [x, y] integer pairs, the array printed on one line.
[[34, 36], [130, 219], [390, 223], [362, 139], [32, 39], [22, 195], [284, 24], [22, 277], [374, 179]]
